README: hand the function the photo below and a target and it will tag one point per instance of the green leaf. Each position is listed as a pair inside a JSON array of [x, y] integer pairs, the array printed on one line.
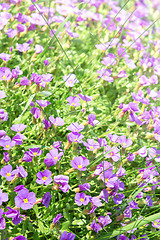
[[65, 225], [45, 93]]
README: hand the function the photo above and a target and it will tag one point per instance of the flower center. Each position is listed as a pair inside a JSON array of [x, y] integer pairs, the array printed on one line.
[[79, 166], [35, 153], [106, 179], [73, 104], [111, 153], [55, 157], [124, 144], [7, 146], [4, 77], [8, 174], [155, 223], [82, 199], [91, 147], [44, 178], [25, 200]]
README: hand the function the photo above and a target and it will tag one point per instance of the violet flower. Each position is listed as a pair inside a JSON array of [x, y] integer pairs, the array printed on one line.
[[2, 94], [156, 223], [56, 121], [73, 101], [25, 199], [38, 48], [20, 237], [104, 221], [2, 220], [43, 103], [5, 57], [75, 137], [95, 226], [57, 218], [62, 180], [46, 199], [124, 142], [91, 145], [80, 163], [70, 80], [69, 236], [52, 157], [3, 115], [112, 153], [3, 197], [15, 215], [35, 152], [44, 177], [75, 127], [7, 172], [82, 199], [84, 187], [23, 47]]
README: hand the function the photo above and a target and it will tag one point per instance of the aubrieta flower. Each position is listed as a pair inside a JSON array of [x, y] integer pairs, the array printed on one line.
[[7, 172], [11, 32], [80, 163], [38, 48], [70, 80], [95, 226], [92, 119], [85, 98], [57, 218], [75, 127], [33, 152], [44, 177], [24, 81], [3, 115], [25, 199], [127, 212], [112, 153], [56, 121], [46, 199], [2, 220], [43, 103], [20, 171], [73, 101], [103, 221], [104, 165], [113, 137], [91, 145], [46, 124], [62, 180], [104, 195], [96, 201], [18, 138], [118, 198], [124, 142], [23, 47], [84, 187], [15, 215], [82, 199], [2, 133], [36, 112], [5, 57], [52, 157], [20, 237], [2, 94], [6, 143], [6, 157], [3, 197], [156, 223], [109, 178], [46, 62], [75, 137], [69, 236], [149, 201], [21, 28]]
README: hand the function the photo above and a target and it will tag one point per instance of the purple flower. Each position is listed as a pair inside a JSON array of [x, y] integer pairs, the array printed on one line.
[[131, 157], [36, 112], [37, 19], [35, 152], [3, 197], [5, 57], [75, 137], [92, 119], [156, 223], [121, 172], [24, 81], [56, 121], [70, 80], [113, 153], [44, 177], [75, 127], [104, 195], [18, 139], [20, 237], [19, 188], [43, 103], [91, 145], [2, 220], [109, 178], [95, 226], [104, 220], [46, 124], [142, 152], [38, 48], [127, 212], [118, 198], [124, 142], [21, 28], [46, 199], [21, 172], [5, 74], [27, 157], [23, 47], [6, 157], [96, 201], [63, 181], [69, 236], [149, 201], [6, 143], [2, 133], [104, 165], [80, 163], [52, 157], [82, 199], [2, 94], [85, 187], [122, 237], [85, 98], [11, 32], [7, 172], [102, 142], [15, 215], [25, 199], [73, 101], [113, 137], [46, 62], [57, 218]]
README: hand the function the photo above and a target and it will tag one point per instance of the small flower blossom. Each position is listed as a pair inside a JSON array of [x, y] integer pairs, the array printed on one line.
[[80, 163], [52, 157], [69, 236], [70, 80], [75, 127], [44, 177], [46, 199], [62, 180], [82, 199], [33, 152], [73, 101], [43, 103], [25, 199], [23, 47], [56, 121], [91, 145], [15, 215], [3, 197], [57, 218], [124, 142], [2, 220], [112, 153], [156, 223], [7, 172], [95, 226]]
